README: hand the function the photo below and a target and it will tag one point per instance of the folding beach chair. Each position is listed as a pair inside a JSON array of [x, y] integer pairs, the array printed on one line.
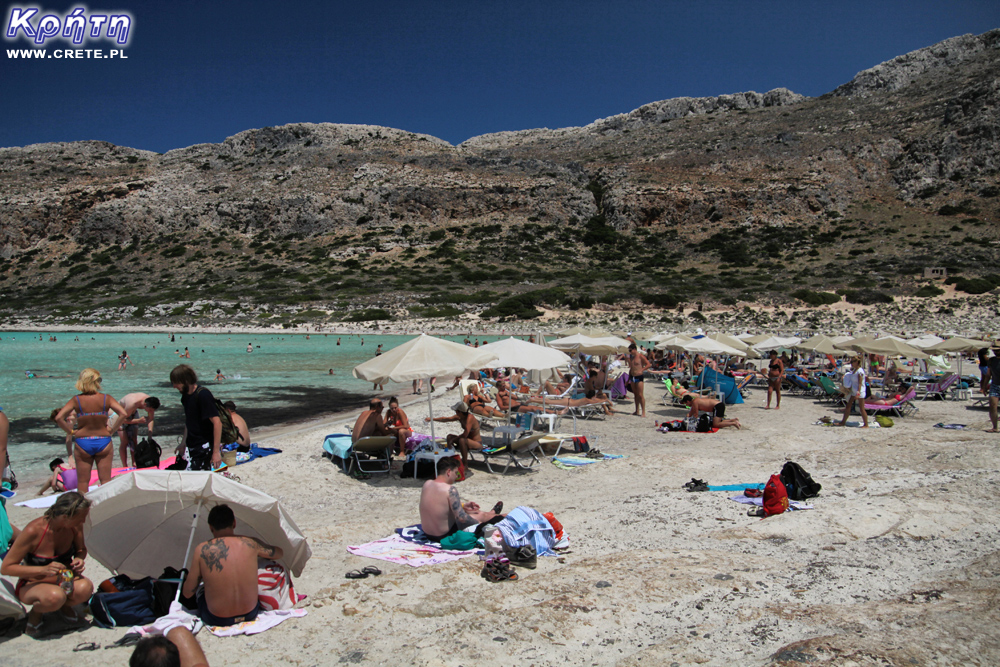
[[799, 386], [903, 407], [510, 453], [830, 391], [939, 390], [377, 453]]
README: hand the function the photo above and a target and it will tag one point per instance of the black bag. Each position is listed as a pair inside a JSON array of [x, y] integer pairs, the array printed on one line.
[[125, 608], [799, 484], [704, 423], [425, 469], [147, 453], [164, 591]]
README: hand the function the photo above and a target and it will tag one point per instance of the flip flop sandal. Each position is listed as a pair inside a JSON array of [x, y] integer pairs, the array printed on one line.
[[498, 507], [34, 630], [371, 569], [86, 646], [491, 573], [356, 574], [753, 493]]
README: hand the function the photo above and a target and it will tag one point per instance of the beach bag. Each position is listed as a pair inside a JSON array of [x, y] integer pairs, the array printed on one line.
[[775, 496], [704, 424], [580, 444], [798, 483], [230, 433], [147, 454], [164, 591], [274, 587], [884, 421], [126, 607]]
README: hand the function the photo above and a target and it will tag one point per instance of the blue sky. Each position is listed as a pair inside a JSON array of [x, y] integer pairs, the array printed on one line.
[[198, 72]]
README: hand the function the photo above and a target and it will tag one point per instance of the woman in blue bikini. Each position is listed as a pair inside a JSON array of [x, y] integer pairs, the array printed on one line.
[[92, 439]]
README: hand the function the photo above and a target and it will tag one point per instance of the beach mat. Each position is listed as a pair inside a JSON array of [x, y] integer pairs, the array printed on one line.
[[395, 549], [571, 462], [759, 502]]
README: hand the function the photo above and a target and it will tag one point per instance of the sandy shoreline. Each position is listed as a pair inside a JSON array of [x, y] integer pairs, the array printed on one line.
[[896, 563]]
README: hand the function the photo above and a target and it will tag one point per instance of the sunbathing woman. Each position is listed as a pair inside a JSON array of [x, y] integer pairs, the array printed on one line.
[[477, 403], [53, 581], [575, 402], [92, 438]]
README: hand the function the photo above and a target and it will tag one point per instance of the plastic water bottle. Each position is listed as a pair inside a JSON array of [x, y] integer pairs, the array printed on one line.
[[66, 582]]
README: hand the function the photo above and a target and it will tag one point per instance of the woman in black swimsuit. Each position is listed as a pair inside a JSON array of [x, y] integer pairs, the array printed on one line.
[[47, 557], [477, 403]]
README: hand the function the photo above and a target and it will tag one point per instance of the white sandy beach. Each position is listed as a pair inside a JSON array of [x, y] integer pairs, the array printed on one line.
[[895, 565]]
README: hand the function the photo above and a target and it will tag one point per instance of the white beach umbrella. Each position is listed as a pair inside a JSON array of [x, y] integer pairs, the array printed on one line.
[[422, 358], [673, 342], [144, 521], [775, 342], [659, 338], [957, 344], [892, 347], [923, 342], [707, 345], [522, 354], [587, 345]]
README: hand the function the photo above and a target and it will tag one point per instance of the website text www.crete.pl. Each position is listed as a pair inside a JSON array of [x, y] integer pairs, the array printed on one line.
[[66, 53]]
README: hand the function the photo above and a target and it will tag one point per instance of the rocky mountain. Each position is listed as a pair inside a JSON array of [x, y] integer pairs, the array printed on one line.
[[738, 198]]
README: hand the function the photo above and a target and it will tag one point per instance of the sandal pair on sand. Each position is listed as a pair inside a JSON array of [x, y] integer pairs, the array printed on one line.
[[594, 454], [363, 573], [495, 571], [696, 485]]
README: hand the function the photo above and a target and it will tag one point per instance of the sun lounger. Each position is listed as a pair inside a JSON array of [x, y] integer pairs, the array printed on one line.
[[830, 391], [799, 386], [901, 408], [377, 453], [510, 453], [940, 389]]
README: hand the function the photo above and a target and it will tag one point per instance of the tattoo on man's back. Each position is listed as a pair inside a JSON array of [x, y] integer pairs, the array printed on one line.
[[265, 550], [213, 553]]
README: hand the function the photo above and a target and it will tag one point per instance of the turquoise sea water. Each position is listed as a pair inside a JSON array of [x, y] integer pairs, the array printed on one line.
[[286, 378]]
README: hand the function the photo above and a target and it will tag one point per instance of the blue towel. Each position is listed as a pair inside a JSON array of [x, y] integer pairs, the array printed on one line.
[[258, 452], [736, 487], [338, 445], [524, 526]]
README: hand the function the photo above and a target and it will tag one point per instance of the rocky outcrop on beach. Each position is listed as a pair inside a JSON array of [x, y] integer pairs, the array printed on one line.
[[900, 163]]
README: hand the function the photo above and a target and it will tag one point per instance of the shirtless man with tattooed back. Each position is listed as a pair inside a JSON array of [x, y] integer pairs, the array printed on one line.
[[441, 510], [227, 564]]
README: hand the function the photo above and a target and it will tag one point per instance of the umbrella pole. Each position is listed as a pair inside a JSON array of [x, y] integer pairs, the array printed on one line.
[[187, 552], [430, 410]]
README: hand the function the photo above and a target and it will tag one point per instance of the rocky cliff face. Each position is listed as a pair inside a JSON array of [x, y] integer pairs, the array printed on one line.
[[914, 139]]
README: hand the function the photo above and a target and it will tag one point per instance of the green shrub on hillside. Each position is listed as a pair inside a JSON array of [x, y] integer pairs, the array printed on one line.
[[368, 315], [815, 298], [866, 297], [929, 291]]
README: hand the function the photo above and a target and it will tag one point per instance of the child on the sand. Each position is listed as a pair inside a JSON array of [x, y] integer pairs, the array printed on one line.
[[60, 472]]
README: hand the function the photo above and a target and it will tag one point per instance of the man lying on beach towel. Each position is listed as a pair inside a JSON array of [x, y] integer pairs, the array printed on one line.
[[441, 510], [700, 404]]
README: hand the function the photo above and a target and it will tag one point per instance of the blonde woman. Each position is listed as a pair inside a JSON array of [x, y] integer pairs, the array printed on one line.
[[92, 439], [854, 382], [47, 558]]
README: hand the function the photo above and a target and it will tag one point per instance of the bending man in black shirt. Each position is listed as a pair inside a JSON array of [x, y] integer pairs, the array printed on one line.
[[202, 426]]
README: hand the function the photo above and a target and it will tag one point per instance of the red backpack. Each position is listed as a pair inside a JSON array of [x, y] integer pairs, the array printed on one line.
[[775, 496]]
